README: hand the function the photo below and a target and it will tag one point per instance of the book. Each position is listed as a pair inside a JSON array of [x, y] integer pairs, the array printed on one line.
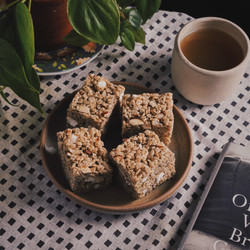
[[221, 219]]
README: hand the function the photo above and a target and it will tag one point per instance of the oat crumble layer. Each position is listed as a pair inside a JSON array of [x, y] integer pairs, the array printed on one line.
[[143, 163], [94, 103], [148, 111], [84, 159]]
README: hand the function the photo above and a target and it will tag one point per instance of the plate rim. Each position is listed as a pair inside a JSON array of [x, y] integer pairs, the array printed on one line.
[[114, 209], [62, 72]]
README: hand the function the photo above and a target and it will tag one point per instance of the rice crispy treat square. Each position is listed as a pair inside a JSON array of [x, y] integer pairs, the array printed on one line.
[[143, 162], [84, 159], [94, 103], [148, 111]]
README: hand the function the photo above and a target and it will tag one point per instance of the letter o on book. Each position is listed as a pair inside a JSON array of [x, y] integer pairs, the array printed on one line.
[[240, 202]]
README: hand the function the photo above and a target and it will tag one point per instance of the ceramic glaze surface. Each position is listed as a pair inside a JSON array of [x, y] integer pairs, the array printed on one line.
[[204, 86]]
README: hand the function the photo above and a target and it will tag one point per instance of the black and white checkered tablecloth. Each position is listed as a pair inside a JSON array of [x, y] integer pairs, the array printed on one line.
[[34, 214]]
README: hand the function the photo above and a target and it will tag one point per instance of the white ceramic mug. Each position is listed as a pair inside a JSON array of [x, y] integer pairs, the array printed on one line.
[[203, 86]]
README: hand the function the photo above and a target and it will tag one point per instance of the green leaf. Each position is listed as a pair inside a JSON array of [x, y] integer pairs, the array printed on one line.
[[24, 42], [16, 27], [12, 75], [75, 39], [6, 99], [96, 20], [125, 3], [24, 34], [139, 35], [127, 36], [16, 31], [147, 8], [133, 17]]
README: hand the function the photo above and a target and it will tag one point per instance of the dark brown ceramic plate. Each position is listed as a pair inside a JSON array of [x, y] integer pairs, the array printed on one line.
[[114, 199]]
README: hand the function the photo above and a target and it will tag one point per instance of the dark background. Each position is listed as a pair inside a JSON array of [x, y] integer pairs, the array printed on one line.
[[236, 11]]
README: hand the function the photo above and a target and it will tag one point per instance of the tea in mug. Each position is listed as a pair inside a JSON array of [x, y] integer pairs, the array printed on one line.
[[212, 49]]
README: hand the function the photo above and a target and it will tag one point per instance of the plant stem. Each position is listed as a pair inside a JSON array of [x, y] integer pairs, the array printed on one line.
[[122, 15], [29, 5]]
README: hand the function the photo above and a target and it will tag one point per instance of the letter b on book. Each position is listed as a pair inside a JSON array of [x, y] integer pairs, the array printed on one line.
[[238, 237]]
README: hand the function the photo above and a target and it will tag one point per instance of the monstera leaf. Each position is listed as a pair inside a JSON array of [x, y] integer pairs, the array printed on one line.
[[96, 20]]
